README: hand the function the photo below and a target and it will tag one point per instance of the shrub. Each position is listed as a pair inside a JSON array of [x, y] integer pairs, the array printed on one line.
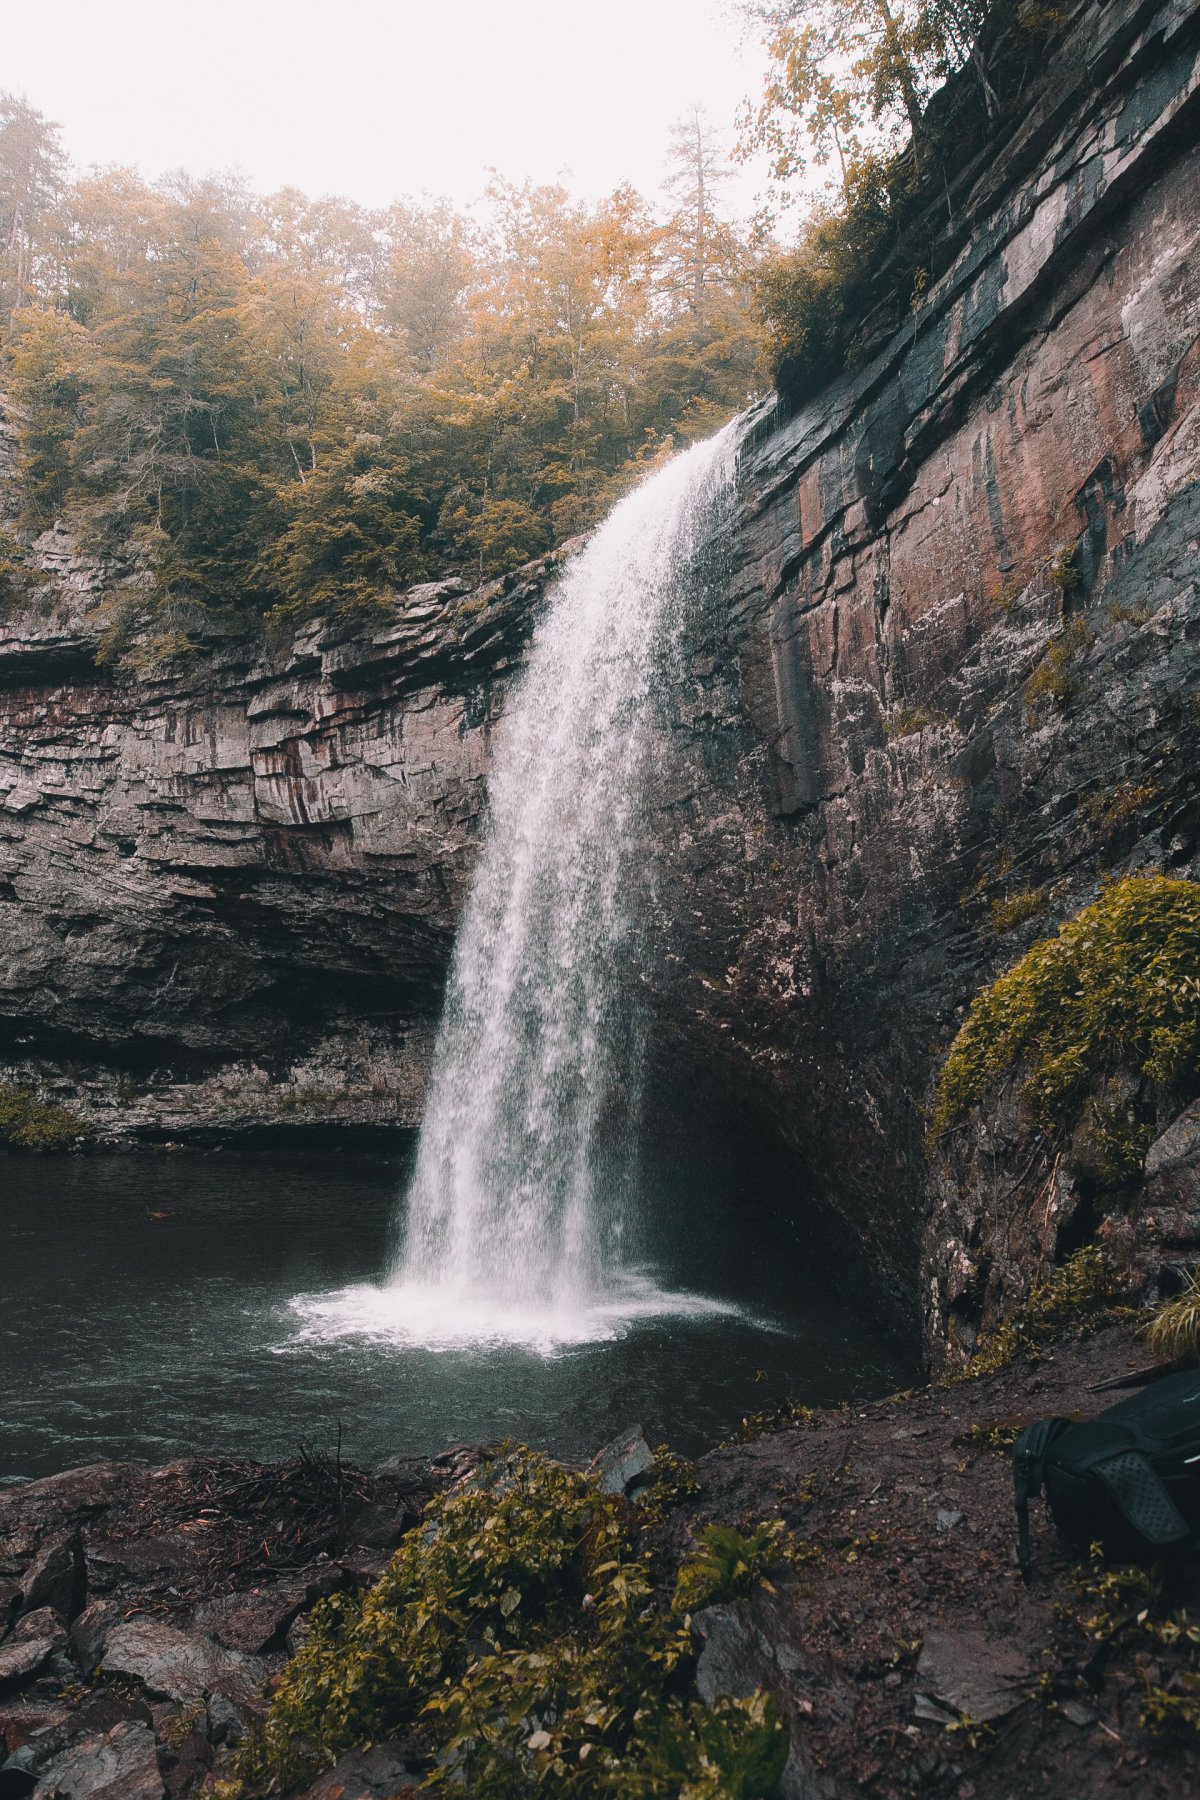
[[1107, 812], [1175, 1328], [28, 1122], [1085, 1287], [1117, 986], [518, 1631], [1062, 570], [1017, 909], [1053, 681], [727, 1564]]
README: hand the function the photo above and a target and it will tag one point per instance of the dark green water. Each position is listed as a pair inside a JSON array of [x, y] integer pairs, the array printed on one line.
[[123, 1334]]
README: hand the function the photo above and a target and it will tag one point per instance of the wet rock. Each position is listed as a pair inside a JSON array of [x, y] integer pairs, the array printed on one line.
[[745, 1646], [23, 1715], [380, 1527], [226, 1721], [44, 1623], [624, 1464], [969, 1671], [49, 1504], [56, 1577], [21, 1659], [90, 1631], [375, 1774], [173, 1665], [10, 1600], [122, 1764], [252, 1623]]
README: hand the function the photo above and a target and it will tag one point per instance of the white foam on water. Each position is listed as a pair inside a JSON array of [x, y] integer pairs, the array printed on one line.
[[433, 1316]]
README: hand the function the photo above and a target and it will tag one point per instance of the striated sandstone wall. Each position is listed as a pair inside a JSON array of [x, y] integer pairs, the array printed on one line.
[[226, 899]]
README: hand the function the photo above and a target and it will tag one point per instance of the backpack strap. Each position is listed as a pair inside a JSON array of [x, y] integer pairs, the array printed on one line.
[[1029, 1468]]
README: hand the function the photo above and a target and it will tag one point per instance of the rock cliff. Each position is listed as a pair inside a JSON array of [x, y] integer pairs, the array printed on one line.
[[948, 681]]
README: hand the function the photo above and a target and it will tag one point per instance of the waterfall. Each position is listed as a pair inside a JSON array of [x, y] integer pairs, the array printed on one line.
[[520, 1219], [519, 1193]]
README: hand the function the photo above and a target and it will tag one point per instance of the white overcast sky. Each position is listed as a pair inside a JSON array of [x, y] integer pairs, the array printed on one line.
[[373, 100]]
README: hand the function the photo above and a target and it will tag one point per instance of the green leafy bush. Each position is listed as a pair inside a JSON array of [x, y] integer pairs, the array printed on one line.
[[727, 1564], [1119, 985], [516, 1631], [29, 1123]]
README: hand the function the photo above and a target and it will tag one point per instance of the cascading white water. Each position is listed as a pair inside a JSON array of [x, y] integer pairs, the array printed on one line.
[[518, 1193], [517, 1218]]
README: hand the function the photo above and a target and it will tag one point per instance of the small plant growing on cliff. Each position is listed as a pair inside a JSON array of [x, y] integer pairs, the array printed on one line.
[[1118, 1139], [1017, 909], [28, 1122], [910, 720], [1084, 1288], [19, 578], [728, 1564], [1006, 593], [1117, 986], [517, 1632], [1107, 812], [1053, 681], [1174, 1332], [1062, 570]]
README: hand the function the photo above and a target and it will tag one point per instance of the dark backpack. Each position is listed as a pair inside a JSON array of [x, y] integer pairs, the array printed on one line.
[[1128, 1479]]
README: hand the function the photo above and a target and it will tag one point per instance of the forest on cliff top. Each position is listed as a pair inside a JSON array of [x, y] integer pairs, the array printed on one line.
[[290, 404]]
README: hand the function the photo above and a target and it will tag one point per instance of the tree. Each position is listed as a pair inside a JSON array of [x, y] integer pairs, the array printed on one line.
[[32, 168], [848, 76], [700, 249]]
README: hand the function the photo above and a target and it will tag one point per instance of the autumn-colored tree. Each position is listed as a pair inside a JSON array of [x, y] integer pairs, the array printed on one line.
[[278, 406], [850, 76]]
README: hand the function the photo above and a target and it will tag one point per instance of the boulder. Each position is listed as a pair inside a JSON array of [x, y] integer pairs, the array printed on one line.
[[21, 1659], [173, 1665], [120, 1764], [624, 1464], [375, 1774], [90, 1631], [56, 1577], [971, 1672], [10, 1600], [254, 1622]]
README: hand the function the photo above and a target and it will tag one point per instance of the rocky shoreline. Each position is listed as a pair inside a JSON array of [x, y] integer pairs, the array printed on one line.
[[148, 1611]]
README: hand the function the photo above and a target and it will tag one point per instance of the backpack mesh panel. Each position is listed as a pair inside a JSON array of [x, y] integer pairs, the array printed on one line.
[[1142, 1498]]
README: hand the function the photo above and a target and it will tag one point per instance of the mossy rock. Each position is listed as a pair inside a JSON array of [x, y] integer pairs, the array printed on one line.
[[1118, 987], [28, 1122]]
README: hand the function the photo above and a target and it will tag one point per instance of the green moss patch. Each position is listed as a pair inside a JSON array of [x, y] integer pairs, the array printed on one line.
[[1118, 986], [516, 1635], [29, 1123]]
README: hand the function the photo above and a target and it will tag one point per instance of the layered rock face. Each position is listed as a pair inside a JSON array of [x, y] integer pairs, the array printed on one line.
[[962, 650], [228, 897], [948, 679]]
